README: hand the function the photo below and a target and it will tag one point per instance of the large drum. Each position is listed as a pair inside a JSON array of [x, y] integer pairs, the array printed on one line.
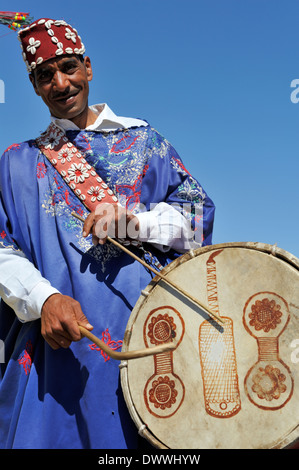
[[229, 384]]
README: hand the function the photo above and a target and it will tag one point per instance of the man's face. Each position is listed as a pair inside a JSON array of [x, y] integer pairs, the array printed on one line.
[[63, 85]]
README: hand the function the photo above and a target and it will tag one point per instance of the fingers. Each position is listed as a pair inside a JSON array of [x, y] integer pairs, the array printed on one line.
[[88, 224], [59, 321], [98, 223], [104, 227], [110, 220], [58, 341]]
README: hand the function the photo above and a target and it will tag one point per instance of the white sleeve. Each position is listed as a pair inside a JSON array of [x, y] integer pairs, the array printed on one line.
[[166, 228], [24, 289], [22, 286]]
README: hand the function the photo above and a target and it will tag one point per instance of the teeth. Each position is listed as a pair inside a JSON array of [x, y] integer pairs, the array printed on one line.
[[65, 99]]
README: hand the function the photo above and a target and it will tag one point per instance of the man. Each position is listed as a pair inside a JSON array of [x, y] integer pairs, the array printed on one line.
[[56, 389]]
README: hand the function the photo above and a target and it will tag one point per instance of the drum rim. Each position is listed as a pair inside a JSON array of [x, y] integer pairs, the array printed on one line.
[[272, 250]]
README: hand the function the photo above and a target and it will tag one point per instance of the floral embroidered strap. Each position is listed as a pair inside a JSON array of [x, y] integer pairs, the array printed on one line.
[[81, 177]]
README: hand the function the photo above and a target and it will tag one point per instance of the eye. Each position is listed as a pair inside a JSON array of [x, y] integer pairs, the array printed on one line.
[[70, 68], [43, 75]]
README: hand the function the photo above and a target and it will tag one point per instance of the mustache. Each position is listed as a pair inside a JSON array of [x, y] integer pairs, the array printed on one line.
[[63, 94]]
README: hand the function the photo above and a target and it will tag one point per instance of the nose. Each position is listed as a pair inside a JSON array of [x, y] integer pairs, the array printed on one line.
[[60, 81]]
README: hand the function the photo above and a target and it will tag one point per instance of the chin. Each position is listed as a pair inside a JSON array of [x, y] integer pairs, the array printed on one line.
[[69, 114]]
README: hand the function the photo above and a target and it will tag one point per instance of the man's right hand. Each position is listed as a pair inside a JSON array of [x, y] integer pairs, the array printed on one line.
[[110, 220], [60, 317]]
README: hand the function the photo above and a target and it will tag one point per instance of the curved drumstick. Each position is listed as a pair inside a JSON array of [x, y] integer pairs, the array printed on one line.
[[126, 354], [160, 275]]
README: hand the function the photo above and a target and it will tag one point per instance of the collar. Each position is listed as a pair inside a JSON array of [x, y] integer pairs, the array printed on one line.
[[106, 120]]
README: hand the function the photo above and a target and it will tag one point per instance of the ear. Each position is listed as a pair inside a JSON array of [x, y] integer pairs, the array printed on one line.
[[32, 79], [88, 68]]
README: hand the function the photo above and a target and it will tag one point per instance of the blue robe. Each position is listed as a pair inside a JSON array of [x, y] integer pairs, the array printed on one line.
[[71, 398]]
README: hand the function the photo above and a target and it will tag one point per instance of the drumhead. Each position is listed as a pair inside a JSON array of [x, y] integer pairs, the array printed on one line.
[[230, 385]]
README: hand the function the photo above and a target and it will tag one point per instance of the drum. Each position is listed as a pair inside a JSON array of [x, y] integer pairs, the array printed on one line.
[[229, 384]]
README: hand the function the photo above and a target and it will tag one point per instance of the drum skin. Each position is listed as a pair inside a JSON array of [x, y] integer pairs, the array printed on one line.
[[232, 384]]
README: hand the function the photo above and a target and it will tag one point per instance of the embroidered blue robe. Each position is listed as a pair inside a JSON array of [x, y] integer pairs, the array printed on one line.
[[71, 398]]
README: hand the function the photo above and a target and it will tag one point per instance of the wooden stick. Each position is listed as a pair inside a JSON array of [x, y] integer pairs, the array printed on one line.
[[126, 354], [161, 276]]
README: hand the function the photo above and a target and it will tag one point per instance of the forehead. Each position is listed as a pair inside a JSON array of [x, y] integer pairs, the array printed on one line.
[[59, 63]]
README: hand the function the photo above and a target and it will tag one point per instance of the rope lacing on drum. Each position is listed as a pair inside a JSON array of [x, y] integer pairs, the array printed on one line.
[[141, 429], [274, 249], [123, 364]]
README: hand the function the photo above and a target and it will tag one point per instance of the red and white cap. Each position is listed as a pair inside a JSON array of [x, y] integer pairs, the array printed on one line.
[[48, 39]]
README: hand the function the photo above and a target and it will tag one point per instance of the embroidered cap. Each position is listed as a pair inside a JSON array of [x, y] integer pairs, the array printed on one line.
[[48, 39]]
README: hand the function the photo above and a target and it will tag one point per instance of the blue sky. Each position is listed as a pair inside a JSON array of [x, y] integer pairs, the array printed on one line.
[[213, 76]]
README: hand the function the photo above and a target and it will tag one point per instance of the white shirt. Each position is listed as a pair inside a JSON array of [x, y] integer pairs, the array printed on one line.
[[22, 286]]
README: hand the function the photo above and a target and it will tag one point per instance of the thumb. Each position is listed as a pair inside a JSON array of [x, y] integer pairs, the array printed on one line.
[[82, 321]]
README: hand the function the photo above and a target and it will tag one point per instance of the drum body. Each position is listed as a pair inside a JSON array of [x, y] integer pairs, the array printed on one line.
[[230, 385]]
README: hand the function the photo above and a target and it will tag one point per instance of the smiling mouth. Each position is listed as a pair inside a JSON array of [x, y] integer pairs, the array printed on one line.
[[66, 99]]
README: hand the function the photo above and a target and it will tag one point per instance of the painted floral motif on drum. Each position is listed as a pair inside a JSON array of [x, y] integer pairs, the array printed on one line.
[[161, 329], [163, 393], [269, 383], [265, 315]]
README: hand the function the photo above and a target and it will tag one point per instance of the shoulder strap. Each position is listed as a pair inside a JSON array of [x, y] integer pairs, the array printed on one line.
[[81, 177], [70, 163]]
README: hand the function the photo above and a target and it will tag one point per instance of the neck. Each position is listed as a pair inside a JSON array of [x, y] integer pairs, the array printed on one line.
[[85, 119]]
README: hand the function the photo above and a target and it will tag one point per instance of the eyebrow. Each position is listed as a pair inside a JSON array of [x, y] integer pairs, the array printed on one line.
[[45, 67]]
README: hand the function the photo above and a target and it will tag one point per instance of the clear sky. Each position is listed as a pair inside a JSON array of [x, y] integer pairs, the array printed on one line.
[[213, 76]]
